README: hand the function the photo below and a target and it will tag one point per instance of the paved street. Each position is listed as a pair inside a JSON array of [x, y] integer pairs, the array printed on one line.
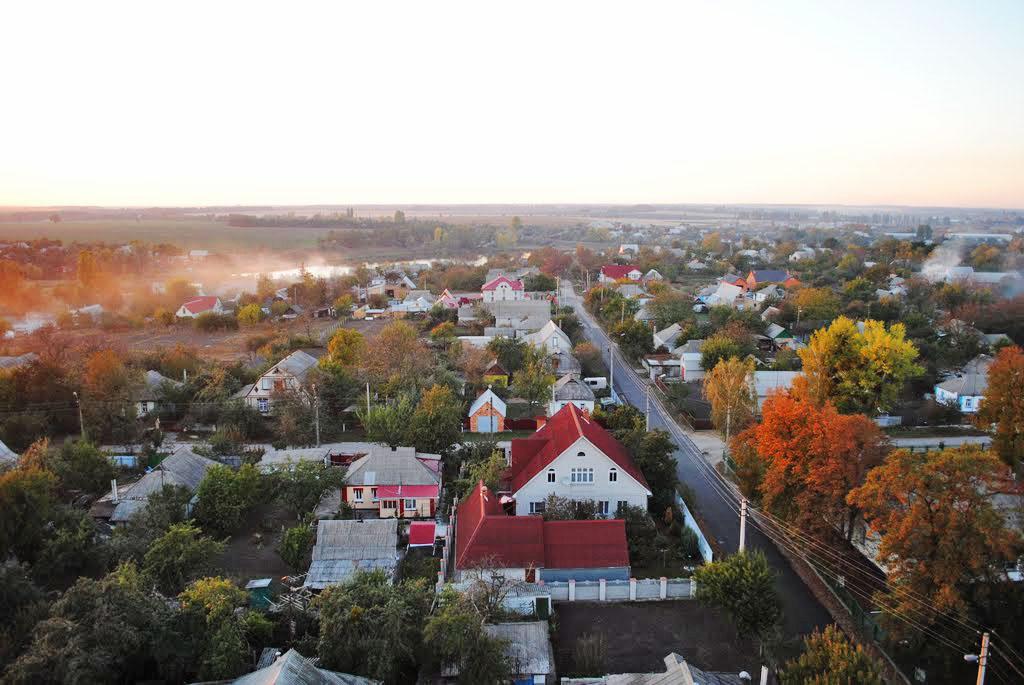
[[802, 611]]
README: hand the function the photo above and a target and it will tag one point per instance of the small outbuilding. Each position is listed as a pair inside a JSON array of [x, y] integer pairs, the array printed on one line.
[[487, 414]]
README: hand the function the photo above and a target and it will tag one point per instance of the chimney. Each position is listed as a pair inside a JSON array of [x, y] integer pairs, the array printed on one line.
[[113, 491]]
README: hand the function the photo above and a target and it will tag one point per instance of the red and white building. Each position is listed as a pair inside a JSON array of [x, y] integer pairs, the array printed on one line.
[[503, 289], [528, 548], [611, 273], [395, 482], [573, 456], [192, 308]]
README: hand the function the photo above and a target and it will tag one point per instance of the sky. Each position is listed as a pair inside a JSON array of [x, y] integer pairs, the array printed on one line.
[[203, 103]]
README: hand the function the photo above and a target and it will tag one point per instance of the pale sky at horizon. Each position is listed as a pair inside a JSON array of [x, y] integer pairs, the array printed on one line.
[[189, 103]]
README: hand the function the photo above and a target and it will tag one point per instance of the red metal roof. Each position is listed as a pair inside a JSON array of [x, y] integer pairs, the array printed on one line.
[[198, 305], [585, 544], [491, 285], [617, 271], [533, 454], [396, 491], [485, 534], [421, 533]]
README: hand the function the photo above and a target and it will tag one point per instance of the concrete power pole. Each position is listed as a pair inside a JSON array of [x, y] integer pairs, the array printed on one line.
[[611, 368], [647, 408], [316, 413], [982, 659], [81, 422], [743, 525]]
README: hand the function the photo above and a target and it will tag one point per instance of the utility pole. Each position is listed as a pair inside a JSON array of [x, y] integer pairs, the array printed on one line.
[[982, 659], [743, 524], [367, 397], [316, 413], [611, 366], [81, 423], [647, 409]]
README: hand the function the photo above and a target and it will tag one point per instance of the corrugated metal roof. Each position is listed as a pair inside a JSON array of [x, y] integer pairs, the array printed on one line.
[[7, 455], [343, 547], [297, 364], [569, 387], [295, 669], [527, 646]]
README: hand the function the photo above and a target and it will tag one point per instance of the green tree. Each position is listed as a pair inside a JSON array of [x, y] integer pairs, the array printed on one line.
[[389, 423], [455, 639], [533, 383], [300, 485], [669, 307], [719, 347], [225, 495], [108, 630], [437, 421], [343, 305], [858, 372], [510, 352], [81, 466], [371, 627], [22, 606], [27, 502], [728, 387], [634, 338], [180, 555], [830, 659], [539, 283], [250, 315], [743, 585]]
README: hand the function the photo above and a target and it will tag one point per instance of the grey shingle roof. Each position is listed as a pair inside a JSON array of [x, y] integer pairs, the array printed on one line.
[[972, 381], [298, 363], [7, 455], [343, 547], [568, 388], [384, 466]]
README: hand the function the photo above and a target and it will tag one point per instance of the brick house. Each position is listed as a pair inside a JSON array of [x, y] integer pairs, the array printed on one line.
[[487, 414]]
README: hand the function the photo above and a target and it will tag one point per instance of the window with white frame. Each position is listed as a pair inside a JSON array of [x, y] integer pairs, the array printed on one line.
[[373, 494], [410, 504], [613, 475], [263, 404], [582, 474], [537, 507], [602, 507], [357, 494], [620, 508], [389, 504], [551, 475], [266, 383]]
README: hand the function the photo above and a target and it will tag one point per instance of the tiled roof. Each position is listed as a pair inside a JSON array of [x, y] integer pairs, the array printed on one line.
[[197, 305], [485, 534], [514, 284], [617, 271], [533, 454]]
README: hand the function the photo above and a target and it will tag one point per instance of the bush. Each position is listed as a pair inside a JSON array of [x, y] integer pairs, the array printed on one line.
[[208, 322], [295, 546]]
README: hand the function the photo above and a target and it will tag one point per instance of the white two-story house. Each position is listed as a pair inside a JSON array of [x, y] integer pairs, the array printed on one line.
[[573, 456], [503, 289], [286, 375]]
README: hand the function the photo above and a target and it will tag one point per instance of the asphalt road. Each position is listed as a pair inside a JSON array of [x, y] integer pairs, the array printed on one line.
[[802, 611]]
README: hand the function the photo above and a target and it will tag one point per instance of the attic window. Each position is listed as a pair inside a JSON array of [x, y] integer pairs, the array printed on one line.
[[581, 454]]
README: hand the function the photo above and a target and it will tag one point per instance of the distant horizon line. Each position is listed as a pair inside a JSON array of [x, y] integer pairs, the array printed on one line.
[[402, 205]]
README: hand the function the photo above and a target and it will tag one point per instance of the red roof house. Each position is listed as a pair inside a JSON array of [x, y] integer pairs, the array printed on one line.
[[502, 289], [574, 456], [618, 272], [531, 548], [199, 305]]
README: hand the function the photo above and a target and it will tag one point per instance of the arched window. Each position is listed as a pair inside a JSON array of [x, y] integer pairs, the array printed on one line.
[[613, 475], [551, 475], [581, 454]]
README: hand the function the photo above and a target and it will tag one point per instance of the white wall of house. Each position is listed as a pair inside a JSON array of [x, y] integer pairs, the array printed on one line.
[[266, 386], [968, 404], [555, 406], [583, 477], [503, 292], [184, 313], [691, 369]]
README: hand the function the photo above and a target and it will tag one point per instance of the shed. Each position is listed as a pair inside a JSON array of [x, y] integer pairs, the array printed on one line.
[[487, 413], [344, 547], [260, 593], [422, 534]]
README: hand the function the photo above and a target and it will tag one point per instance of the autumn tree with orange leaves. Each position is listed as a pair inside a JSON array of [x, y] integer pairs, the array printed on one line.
[[1003, 405], [802, 460], [944, 536]]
